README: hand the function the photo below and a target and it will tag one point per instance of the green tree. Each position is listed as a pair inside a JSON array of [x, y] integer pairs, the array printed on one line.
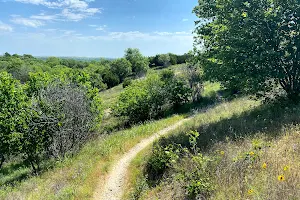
[[12, 115], [121, 67], [53, 61], [164, 60], [140, 64], [142, 100], [251, 45]]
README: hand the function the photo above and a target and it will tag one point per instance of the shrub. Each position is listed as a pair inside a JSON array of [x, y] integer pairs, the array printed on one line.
[[111, 79], [127, 82], [12, 115], [160, 161], [121, 68], [143, 100], [179, 92], [140, 64]]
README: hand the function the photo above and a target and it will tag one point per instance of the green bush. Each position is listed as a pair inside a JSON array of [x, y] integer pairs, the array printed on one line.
[[160, 160], [143, 100], [127, 82], [111, 79], [121, 68], [13, 115]]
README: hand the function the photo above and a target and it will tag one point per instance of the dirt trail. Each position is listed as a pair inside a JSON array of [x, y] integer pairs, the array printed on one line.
[[113, 188]]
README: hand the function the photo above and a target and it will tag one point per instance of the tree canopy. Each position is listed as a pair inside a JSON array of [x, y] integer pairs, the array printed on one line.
[[251, 46]]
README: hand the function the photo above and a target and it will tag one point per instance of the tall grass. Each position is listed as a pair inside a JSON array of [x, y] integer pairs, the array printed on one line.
[[77, 177], [252, 146]]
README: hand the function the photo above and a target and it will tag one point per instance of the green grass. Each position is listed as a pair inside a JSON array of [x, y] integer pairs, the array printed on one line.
[[77, 177], [110, 96], [241, 136]]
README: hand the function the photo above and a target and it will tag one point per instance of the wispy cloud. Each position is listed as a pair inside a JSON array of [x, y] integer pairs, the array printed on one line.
[[5, 27], [185, 20], [27, 22], [71, 10], [172, 33]]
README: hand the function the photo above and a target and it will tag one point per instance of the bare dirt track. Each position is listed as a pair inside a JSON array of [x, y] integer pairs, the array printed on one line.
[[114, 184]]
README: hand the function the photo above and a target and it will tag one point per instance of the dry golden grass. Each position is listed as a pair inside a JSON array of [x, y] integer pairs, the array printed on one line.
[[256, 149]]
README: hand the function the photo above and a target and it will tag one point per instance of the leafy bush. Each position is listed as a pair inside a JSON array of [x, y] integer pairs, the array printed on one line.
[[160, 160], [121, 68], [192, 169], [143, 100], [127, 82], [179, 92], [12, 115], [111, 79], [140, 64]]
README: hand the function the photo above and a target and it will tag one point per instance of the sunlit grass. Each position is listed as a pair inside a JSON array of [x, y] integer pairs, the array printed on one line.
[[257, 148], [77, 177]]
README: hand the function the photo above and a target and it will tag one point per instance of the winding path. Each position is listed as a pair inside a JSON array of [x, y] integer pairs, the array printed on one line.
[[114, 184]]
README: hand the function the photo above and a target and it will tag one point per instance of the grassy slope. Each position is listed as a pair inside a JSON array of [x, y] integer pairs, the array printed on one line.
[[76, 178], [110, 96], [239, 129]]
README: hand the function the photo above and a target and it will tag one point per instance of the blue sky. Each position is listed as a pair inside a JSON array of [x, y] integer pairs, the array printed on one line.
[[95, 28]]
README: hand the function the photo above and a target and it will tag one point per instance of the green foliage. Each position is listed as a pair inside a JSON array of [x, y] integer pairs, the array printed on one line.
[[150, 98], [121, 67], [140, 64], [12, 115], [160, 160], [164, 60], [111, 79], [178, 91], [251, 46], [127, 82], [142, 100]]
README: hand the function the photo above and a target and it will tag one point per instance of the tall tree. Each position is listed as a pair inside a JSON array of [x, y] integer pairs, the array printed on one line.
[[140, 64], [121, 67], [252, 46]]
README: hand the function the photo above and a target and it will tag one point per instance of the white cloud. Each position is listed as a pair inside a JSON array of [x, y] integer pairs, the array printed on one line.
[[27, 22], [68, 14], [5, 27], [185, 20], [44, 17], [128, 35], [101, 28], [172, 33], [73, 10]]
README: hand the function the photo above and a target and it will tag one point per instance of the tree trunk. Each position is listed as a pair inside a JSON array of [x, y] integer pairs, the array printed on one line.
[[2, 159]]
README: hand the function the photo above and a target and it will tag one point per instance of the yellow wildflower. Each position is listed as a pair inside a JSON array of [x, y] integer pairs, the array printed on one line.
[[222, 153], [250, 191], [244, 14], [281, 178], [264, 166], [286, 168], [251, 153]]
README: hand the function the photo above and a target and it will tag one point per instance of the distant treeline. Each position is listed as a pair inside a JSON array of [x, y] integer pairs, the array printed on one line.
[[101, 73], [168, 59]]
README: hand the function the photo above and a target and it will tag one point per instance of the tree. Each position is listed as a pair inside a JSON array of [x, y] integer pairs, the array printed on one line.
[[164, 60], [12, 115], [110, 79], [173, 59], [121, 67], [140, 64], [251, 46], [53, 61]]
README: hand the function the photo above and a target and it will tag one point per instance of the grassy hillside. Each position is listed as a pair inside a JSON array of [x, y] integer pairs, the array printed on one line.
[[245, 150], [75, 178]]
